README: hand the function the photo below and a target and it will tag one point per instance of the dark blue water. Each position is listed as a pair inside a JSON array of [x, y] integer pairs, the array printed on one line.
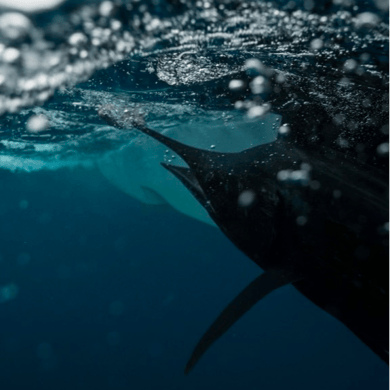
[[100, 290], [113, 294]]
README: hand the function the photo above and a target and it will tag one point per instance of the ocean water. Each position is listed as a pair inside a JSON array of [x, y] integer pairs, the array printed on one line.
[[109, 270]]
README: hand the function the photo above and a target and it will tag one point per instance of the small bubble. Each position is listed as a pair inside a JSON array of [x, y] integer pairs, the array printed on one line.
[[383, 149], [316, 44], [365, 57], [83, 54], [257, 111], [246, 198], [350, 65], [236, 85], [239, 105], [258, 85], [343, 143], [8, 292], [253, 66], [77, 39], [212, 147], [284, 129], [283, 175], [253, 63], [11, 54], [280, 78], [300, 176], [37, 123], [14, 25], [366, 19], [106, 8]]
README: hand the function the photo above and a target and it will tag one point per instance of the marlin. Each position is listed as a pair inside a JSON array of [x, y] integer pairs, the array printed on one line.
[[310, 219]]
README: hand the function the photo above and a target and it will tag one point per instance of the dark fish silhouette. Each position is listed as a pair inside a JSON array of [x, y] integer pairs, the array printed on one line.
[[311, 219]]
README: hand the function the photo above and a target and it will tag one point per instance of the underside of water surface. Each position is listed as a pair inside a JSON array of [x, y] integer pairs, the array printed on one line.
[[225, 75]]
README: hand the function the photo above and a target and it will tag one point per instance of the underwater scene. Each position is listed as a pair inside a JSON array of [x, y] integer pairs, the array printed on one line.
[[194, 194]]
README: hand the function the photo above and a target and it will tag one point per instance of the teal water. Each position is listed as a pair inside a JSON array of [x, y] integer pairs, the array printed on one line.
[[109, 270]]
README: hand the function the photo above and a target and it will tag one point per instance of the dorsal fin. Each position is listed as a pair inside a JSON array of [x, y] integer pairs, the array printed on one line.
[[128, 118], [246, 299], [194, 157]]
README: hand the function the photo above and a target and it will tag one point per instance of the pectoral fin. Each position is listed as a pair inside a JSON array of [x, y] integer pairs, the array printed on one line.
[[254, 292], [186, 176]]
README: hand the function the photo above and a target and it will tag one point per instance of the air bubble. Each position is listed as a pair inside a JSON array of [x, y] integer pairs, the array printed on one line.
[[367, 19], [106, 8], [77, 39], [350, 65], [8, 292], [284, 129], [383, 149], [236, 85], [11, 54], [246, 198], [258, 111], [316, 44], [14, 25], [258, 85], [37, 123]]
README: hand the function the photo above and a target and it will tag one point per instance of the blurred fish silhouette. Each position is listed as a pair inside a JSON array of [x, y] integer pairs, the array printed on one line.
[[310, 219]]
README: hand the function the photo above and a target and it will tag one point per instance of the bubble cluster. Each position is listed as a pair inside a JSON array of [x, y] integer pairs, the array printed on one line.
[[255, 57], [301, 176]]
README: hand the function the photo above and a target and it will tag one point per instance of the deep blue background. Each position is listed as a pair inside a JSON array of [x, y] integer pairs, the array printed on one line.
[[114, 294]]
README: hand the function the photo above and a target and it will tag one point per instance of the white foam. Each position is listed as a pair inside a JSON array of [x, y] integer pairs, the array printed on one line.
[[30, 6]]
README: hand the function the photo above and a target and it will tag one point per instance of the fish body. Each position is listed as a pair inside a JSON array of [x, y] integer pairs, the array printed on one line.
[[310, 218]]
